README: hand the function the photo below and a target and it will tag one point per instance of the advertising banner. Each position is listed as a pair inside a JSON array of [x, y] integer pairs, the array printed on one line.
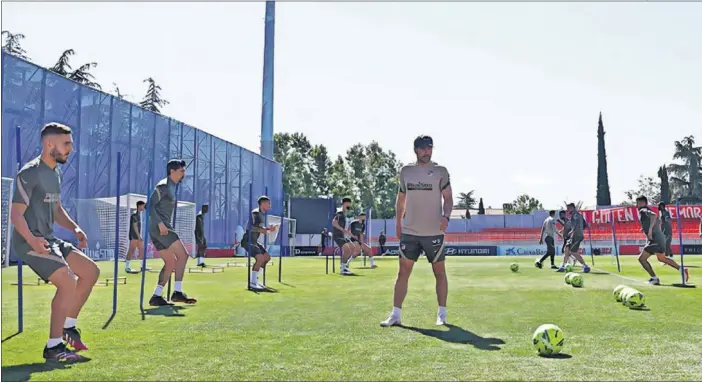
[[631, 214], [691, 249], [306, 251], [455, 250], [540, 250]]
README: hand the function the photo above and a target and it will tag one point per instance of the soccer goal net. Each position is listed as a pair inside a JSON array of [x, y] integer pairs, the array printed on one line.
[[280, 242], [99, 216], [6, 225]]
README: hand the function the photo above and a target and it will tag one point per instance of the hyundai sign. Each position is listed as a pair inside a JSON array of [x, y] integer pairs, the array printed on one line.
[[457, 250]]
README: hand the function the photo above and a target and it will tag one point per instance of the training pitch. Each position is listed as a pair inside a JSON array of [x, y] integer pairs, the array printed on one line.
[[326, 327]]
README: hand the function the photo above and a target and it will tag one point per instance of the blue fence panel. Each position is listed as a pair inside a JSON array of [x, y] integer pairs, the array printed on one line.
[[218, 172]]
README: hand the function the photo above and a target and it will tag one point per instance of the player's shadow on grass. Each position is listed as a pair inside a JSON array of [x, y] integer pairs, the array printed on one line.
[[165, 310], [24, 372], [264, 290], [458, 335]]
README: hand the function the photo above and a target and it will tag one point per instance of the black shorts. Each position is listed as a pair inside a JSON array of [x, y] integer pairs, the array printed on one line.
[[45, 265], [657, 245], [411, 247], [256, 248], [163, 242], [133, 236], [574, 244], [341, 241]]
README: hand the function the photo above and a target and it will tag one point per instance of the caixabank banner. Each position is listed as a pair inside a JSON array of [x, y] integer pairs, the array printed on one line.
[[540, 250], [457, 250]]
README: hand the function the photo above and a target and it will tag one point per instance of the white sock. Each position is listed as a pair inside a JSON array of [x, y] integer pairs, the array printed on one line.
[[178, 286], [254, 277], [70, 322], [442, 311], [126, 264], [396, 311], [54, 342], [372, 261], [199, 260], [158, 291], [349, 261]]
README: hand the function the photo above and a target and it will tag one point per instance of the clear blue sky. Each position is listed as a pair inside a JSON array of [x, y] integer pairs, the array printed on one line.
[[510, 91]]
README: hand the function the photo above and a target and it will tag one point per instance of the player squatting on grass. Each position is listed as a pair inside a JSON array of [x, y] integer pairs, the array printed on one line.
[[36, 206], [253, 247], [419, 201], [163, 236], [656, 245], [341, 237]]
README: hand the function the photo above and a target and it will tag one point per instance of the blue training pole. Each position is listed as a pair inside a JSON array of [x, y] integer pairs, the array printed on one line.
[[173, 224], [20, 302], [114, 291], [249, 225], [265, 239], [146, 240], [614, 237], [680, 235], [592, 254], [280, 234]]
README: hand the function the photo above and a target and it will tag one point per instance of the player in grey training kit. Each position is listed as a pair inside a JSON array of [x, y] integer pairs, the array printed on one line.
[[163, 236], [667, 226], [577, 235], [250, 243], [136, 242], [548, 234], [36, 206], [651, 227], [200, 238], [423, 184]]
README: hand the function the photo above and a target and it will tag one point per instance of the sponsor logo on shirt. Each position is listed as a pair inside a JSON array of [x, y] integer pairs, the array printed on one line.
[[51, 197], [420, 186]]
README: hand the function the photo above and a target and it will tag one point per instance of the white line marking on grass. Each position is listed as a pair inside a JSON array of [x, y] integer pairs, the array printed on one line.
[[618, 275]]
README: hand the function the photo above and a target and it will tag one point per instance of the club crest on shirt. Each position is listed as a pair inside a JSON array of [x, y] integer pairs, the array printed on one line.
[[430, 173]]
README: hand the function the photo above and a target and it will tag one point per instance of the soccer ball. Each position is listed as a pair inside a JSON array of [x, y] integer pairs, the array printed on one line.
[[569, 268], [634, 299], [514, 267], [548, 339], [624, 292], [617, 292], [576, 280], [567, 277]]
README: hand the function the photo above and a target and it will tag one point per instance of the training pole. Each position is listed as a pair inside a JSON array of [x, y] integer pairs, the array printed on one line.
[[265, 238], [116, 250], [680, 236], [280, 246], [175, 211], [146, 240], [614, 239], [20, 293], [592, 253], [249, 225]]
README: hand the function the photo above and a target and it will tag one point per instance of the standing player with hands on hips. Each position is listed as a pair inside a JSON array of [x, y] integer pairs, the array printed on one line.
[[423, 184], [36, 206]]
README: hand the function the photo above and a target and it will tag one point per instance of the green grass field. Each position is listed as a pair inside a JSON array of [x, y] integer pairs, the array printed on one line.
[[326, 327]]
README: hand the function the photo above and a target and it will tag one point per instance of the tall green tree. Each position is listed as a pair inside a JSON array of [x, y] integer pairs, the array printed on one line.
[[13, 44], [293, 165], [81, 75], [152, 99], [382, 171], [603, 196], [466, 200], [523, 204], [665, 185], [321, 165], [648, 187], [481, 207], [341, 181], [687, 174]]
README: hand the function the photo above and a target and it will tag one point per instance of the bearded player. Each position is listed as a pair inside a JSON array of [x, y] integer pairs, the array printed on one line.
[[36, 206], [423, 185]]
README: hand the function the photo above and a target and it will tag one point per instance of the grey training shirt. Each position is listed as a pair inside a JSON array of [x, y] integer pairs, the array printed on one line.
[[37, 186], [161, 205], [423, 186]]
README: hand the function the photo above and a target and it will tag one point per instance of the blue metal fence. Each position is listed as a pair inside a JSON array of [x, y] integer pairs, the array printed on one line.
[[218, 172]]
